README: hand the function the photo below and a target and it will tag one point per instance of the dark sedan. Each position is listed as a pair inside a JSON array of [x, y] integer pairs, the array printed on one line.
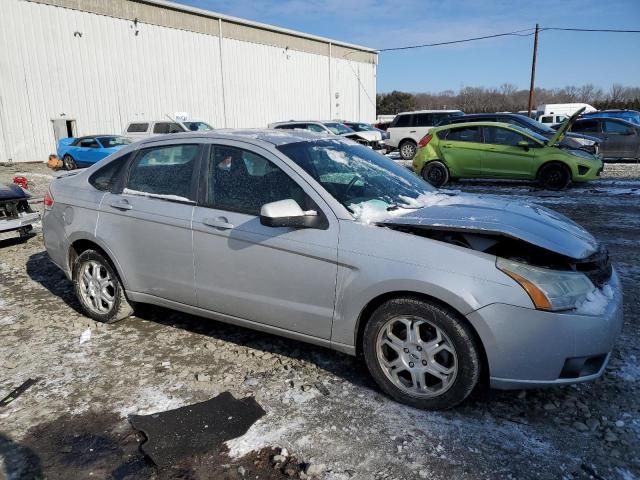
[[571, 140], [619, 139]]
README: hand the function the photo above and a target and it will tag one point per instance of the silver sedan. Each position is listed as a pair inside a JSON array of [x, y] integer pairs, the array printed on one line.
[[326, 241]]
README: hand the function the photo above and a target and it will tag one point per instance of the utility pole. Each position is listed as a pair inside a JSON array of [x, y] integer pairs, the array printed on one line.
[[533, 69]]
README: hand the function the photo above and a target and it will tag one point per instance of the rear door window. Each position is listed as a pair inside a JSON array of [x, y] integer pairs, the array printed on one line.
[[89, 143], [502, 136], [164, 171], [466, 134], [423, 120], [167, 127], [592, 126]]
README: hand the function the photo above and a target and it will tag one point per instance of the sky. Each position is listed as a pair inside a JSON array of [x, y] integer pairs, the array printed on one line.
[[564, 58]]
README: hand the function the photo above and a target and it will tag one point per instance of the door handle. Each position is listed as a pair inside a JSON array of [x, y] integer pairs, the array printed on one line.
[[447, 145], [121, 204], [220, 222], [412, 131]]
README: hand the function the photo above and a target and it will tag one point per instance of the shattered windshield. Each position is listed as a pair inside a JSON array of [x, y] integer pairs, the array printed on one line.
[[357, 176]]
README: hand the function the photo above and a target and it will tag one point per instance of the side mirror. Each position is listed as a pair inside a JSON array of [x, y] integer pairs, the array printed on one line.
[[287, 213], [524, 144]]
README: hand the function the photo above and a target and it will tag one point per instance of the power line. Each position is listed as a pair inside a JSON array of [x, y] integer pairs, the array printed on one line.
[[517, 33], [607, 30]]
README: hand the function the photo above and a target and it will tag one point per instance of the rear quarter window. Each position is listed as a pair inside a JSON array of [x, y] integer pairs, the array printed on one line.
[[106, 177], [138, 127]]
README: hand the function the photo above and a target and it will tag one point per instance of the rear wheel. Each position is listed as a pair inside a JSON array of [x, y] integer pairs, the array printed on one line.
[[421, 354], [436, 173], [99, 289], [554, 176], [408, 149], [68, 162]]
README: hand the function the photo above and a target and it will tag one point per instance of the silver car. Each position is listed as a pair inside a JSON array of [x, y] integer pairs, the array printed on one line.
[[326, 241]]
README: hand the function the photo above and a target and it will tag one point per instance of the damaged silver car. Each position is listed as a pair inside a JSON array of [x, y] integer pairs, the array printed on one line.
[[16, 215], [326, 241]]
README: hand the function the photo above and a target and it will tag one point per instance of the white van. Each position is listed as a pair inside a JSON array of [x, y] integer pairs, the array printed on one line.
[[408, 128], [554, 113], [147, 128]]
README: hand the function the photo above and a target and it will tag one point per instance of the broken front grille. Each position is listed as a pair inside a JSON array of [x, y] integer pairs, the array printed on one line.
[[12, 209]]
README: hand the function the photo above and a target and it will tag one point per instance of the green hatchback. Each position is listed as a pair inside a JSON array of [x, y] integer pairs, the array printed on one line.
[[503, 151]]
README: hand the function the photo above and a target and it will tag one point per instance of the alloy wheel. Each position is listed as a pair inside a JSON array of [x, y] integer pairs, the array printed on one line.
[[416, 356], [97, 288]]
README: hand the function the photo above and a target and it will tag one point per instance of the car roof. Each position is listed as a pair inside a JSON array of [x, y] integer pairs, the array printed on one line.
[[429, 111], [608, 119], [274, 137], [473, 124]]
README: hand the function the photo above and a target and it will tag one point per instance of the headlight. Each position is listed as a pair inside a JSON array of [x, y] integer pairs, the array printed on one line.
[[581, 154], [548, 289]]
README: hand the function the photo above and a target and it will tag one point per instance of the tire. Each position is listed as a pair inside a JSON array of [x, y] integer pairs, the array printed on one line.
[[106, 304], [436, 173], [554, 176], [408, 149], [444, 342], [69, 163]]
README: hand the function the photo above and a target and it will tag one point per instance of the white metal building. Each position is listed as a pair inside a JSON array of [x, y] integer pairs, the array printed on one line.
[[94, 65]]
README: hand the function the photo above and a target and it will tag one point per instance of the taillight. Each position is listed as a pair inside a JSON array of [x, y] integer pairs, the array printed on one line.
[[426, 139], [48, 200]]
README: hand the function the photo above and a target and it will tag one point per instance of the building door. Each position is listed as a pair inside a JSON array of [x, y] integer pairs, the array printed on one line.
[[63, 128]]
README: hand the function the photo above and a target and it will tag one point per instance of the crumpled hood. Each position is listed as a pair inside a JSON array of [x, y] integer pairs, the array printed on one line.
[[491, 214], [368, 135], [10, 191]]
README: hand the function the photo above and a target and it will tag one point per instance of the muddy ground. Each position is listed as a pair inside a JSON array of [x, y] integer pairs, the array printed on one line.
[[321, 406]]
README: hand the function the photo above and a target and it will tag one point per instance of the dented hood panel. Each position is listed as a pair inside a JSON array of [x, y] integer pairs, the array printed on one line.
[[494, 215]]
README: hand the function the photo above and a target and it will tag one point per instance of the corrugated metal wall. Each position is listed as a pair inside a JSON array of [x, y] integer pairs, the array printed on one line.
[[96, 70]]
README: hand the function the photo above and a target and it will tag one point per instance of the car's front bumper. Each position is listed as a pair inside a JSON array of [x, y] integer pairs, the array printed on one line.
[[21, 221], [529, 348]]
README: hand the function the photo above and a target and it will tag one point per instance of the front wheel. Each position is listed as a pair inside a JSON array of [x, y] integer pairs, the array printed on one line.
[[99, 289], [421, 354], [554, 176], [408, 149], [436, 173], [69, 163]]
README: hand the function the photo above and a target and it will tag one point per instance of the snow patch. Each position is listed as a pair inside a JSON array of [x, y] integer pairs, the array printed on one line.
[[262, 434], [625, 474], [596, 301], [6, 321], [86, 336], [375, 210], [149, 401], [338, 156], [177, 198], [630, 371]]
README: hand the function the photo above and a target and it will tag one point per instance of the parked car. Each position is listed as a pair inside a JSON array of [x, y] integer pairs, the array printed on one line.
[[502, 150], [632, 116], [84, 151], [143, 129], [570, 140], [368, 138], [317, 238], [408, 128], [619, 139], [16, 214], [366, 127], [553, 111], [196, 126]]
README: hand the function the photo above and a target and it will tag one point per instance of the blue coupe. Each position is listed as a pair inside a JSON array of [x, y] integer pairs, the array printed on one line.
[[85, 151]]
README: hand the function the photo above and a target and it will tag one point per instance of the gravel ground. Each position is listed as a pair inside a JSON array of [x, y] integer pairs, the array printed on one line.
[[322, 406]]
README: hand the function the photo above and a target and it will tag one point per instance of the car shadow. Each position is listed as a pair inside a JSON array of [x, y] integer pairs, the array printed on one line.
[[42, 270], [349, 368], [19, 461]]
